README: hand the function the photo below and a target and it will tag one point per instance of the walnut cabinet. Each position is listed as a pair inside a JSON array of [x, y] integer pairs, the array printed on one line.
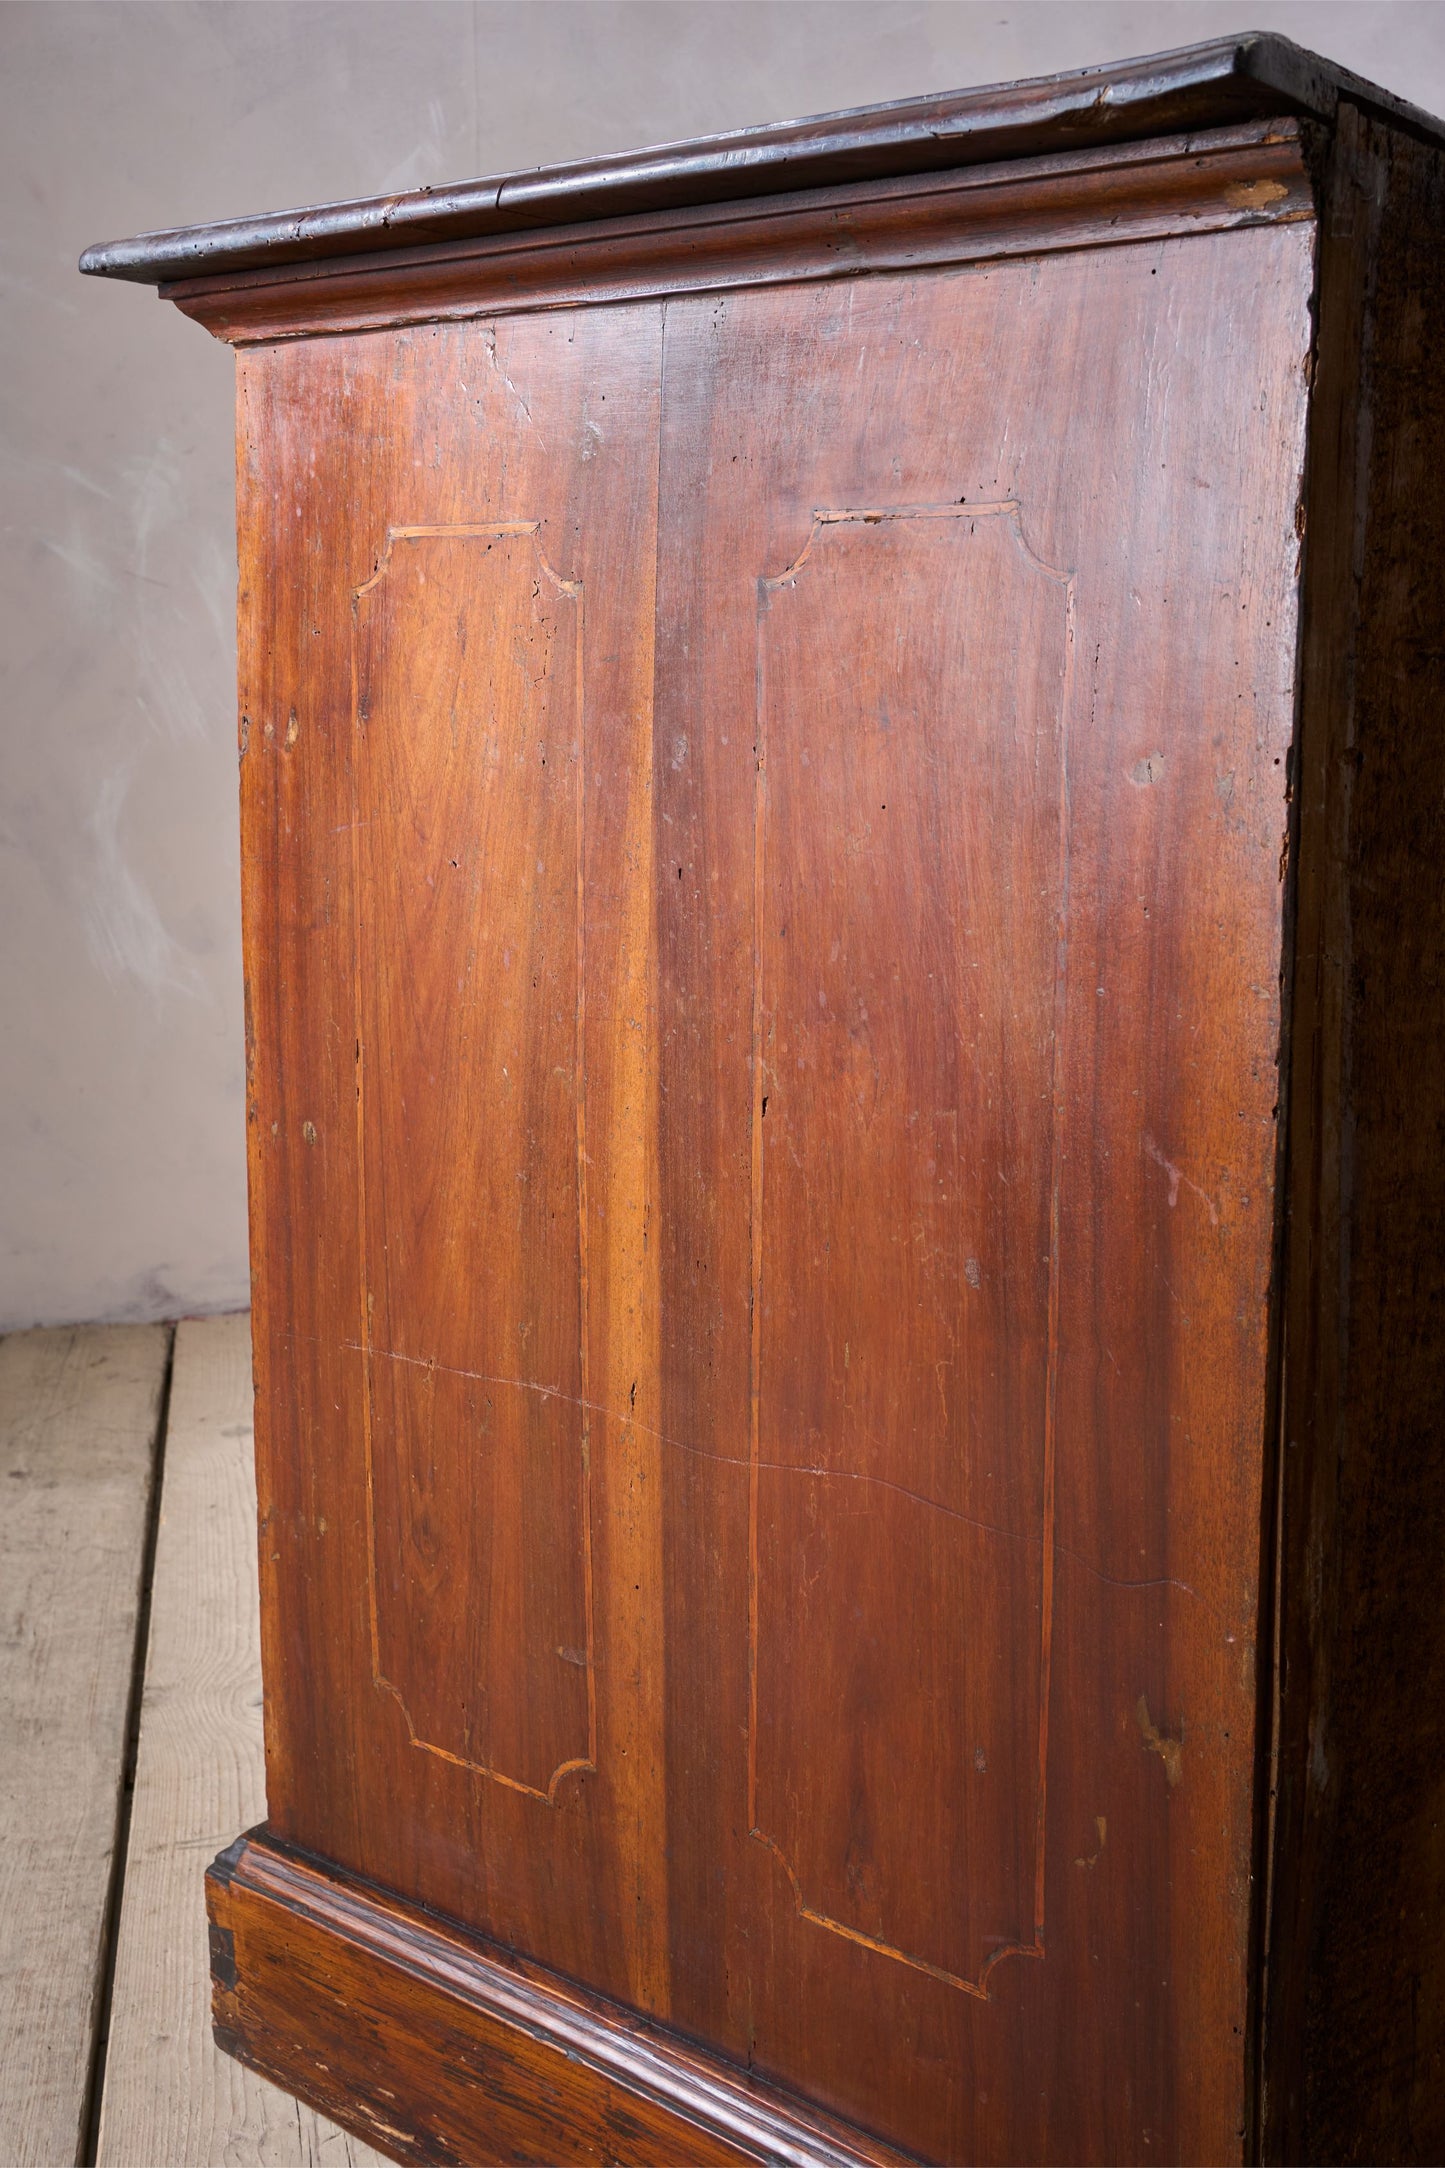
[[842, 773]]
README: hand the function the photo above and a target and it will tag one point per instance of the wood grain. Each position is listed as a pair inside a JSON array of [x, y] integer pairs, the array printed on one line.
[[1019, 1543], [170, 2094], [1225, 178], [1129, 455], [499, 1015], [315, 1974], [79, 1410], [843, 1015], [1355, 2011], [911, 788], [471, 955], [1178, 93]]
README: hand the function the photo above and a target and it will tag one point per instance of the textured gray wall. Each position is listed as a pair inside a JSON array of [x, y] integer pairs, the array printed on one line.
[[122, 1182]]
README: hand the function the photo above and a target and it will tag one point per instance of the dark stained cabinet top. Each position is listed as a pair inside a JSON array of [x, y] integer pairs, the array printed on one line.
[[1197, 87], [837, 734]]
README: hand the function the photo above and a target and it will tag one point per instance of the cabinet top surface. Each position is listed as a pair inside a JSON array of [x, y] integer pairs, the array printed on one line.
[[1198, 86]]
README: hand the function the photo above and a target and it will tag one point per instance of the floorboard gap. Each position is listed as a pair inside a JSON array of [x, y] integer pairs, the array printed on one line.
[[115, 1889]]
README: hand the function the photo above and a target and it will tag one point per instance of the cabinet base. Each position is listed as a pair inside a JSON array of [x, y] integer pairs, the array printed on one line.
[[435, 2047]]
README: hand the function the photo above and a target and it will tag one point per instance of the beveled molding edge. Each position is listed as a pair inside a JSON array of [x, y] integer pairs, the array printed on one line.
[[1255, 174], [432, 2045]]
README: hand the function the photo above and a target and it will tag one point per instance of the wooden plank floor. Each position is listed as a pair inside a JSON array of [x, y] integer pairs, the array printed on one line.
[[80, 1417]]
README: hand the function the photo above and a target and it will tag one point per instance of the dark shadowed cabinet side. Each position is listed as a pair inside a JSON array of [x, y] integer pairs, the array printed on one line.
[[791, 838]]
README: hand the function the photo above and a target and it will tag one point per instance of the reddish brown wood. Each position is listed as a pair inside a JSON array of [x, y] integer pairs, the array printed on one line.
[[1121, 1559], [832, 1470], [328, 1986], [920, 1303], [1148, 191], [454, 1068], [910, 869], [470, 1016]]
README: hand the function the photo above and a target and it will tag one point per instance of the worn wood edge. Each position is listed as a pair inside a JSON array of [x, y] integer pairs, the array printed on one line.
[[1354, 1983], [1189, 87], [467, 1994], [1158, 190], [1303, 1570], [1374, 2023], [1317, 478]]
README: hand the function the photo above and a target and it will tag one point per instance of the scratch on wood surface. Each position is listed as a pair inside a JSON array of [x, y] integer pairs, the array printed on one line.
[[489, 340], [774, 1467], [1176, 1176], [1170, 1751], [1101, 1827]]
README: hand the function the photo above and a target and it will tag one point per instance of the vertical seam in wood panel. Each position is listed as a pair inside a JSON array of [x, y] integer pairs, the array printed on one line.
[[115, 1888], [1051, 1381], [755, 1228], [574, 588], [361, 1213], [660, 1938]]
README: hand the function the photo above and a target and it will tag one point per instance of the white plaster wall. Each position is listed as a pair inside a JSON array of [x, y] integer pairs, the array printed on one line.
[[122, 1180]]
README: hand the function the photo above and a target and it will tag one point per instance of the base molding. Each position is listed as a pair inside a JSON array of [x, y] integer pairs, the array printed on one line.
[[434, 2046]]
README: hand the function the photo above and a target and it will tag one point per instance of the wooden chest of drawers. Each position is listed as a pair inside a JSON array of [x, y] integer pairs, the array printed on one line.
[[842, 791]]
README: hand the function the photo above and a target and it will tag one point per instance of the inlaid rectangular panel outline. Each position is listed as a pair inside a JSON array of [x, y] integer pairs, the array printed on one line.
[[1009, 509], [572, 590]]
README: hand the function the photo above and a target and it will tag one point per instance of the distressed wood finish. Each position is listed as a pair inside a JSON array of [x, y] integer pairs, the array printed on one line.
[[470, 941], [495, 1369], [1355, 2069], [903, 1298], [1178, 93], [1146, 191], [1125, 1049], [818, 1064], [511, 2064], [879, 912]]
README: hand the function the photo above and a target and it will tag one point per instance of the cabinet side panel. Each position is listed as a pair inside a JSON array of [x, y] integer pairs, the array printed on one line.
[[297, 905], [997, 839], [448, 544], [1355, 2020]]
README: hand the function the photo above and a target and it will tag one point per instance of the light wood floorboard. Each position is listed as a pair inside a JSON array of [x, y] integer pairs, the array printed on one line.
[[79, 1409], [170, 2096]]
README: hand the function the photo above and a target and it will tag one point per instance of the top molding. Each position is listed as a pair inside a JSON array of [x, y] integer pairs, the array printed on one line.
[[1199, 86]]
